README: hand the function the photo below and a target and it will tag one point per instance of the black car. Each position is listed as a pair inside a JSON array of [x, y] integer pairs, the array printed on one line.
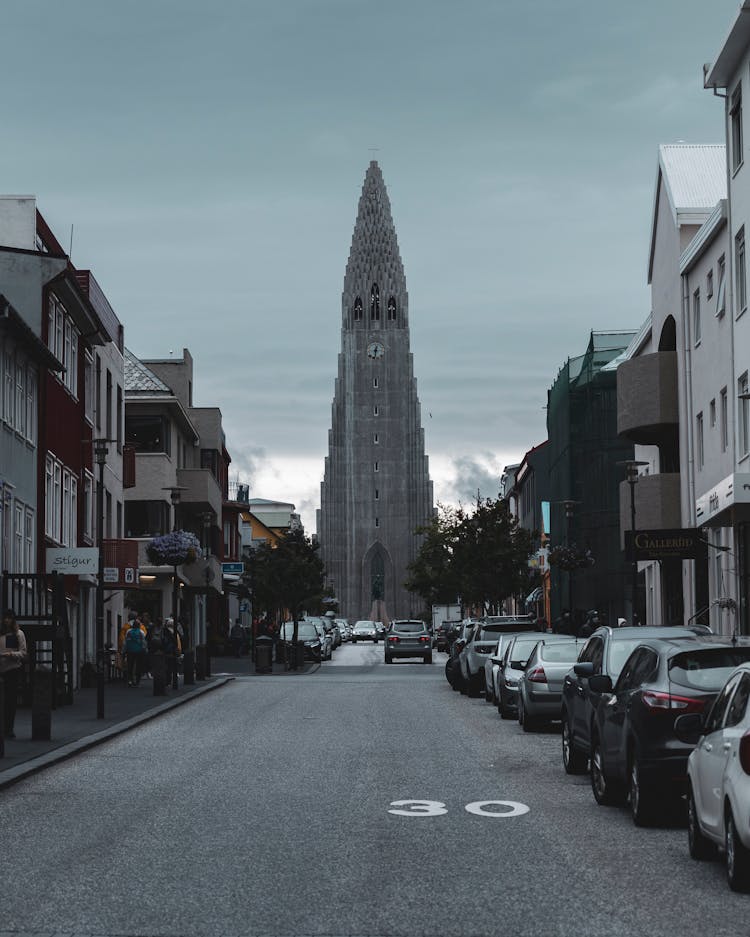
[[307, 635], [446, 633], [452, 667], [605, 652], [634, 749]]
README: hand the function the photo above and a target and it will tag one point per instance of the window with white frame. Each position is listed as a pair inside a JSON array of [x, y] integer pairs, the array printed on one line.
[[31, 403], [699, 440], [62, 340], [697, 317], [8, 388], [29, 555], [6, 523], [53, 498], [70, 509], [89, 385], [740, 271], [20, 420], [18, 534], [744, 414], [88, 506], [712, 413], [721, 289], [735, 117], [724, 419]]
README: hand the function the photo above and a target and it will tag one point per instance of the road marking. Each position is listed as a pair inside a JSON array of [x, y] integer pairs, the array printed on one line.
[[418, 808], [513, 808]]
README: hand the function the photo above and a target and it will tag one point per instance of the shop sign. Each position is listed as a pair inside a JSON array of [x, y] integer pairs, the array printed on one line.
[[678, 543]]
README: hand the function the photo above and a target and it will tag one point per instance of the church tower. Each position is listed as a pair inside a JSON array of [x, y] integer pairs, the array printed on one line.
[[376, 488]]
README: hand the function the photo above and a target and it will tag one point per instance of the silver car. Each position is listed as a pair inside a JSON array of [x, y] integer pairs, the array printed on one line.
[[512, 669], [364, 631], [480, 646], [408, 638], [493, 664], [540, 687]]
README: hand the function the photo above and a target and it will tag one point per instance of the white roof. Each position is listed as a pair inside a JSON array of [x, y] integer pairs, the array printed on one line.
[[695, 180], [695, 175]]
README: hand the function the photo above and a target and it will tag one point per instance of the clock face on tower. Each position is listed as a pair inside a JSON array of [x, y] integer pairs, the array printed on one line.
[[375, 350]]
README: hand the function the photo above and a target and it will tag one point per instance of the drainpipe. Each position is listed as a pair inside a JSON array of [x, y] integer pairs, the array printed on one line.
[[688, 568]]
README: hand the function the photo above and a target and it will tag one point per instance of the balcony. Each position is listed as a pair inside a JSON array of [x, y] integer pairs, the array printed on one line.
[[657, 503], [647, 398], [202, 491], [192, 574]]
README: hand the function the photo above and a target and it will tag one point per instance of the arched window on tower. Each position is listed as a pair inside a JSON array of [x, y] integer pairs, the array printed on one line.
[[377, 573], [391, 309], [358, 309], [375, 303]]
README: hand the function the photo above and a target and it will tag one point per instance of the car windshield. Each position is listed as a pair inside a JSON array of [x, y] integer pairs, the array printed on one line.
[[305, 631], [706, 668], [408, 627], [363, 626], [619, 651], [521, 650], [560, 652]]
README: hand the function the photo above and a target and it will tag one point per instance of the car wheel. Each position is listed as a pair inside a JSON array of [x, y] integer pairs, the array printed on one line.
[[472, 687], [606, 793], [642, 799], [427, 659], [388, 659], [738, 857], [489, 694], [505, 711], [574, 761], [699, 845], [521, 712]]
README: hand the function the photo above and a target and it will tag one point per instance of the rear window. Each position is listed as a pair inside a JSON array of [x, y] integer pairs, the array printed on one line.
[[706, 668], [305, 631], [522, 649], [560, 653], [408, 627]]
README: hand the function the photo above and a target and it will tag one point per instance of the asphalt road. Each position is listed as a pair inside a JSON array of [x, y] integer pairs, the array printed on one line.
[[263, 809]]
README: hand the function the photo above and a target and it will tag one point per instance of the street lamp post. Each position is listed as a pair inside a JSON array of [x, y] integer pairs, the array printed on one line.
[[568, 505], [101, 449], [175, 492], [631, 477]]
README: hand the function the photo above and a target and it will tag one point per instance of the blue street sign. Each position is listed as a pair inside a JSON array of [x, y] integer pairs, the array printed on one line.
[[232, 569]]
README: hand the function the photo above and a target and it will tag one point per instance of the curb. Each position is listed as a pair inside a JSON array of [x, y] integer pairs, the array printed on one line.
[[12, 775]]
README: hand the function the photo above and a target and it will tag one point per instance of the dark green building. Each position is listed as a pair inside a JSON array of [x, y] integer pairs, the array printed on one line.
[[583, 452]]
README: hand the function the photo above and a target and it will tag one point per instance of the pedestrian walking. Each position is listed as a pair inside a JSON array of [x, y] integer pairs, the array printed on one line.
[[564, 624], [135, 649], [12, 658]]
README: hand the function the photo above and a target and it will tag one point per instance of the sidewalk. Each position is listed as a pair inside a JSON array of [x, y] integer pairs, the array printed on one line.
[[76, 728], [244, 667]]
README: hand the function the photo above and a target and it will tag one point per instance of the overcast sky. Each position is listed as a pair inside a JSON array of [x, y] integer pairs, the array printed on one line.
[[210, 156]]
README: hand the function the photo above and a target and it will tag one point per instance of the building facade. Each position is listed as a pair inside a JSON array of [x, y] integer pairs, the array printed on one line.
[[376, 489]]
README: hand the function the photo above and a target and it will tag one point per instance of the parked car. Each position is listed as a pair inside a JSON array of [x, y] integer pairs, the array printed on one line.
[[379, 630], [512, 667], [307, 634], [719, 778], [492, 666], [344, 628], [326, 637], [452, 668], [540, 687], [408, 638], [335, 632], [634, 749], [364, 631], [605, 652], [446, 632], [481, 642]]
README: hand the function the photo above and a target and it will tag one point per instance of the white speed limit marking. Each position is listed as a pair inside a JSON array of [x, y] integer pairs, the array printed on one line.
[[480, 808], [507, 808], [418, 808]]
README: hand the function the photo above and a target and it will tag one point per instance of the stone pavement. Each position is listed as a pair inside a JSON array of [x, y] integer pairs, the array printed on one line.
[[76, 728]]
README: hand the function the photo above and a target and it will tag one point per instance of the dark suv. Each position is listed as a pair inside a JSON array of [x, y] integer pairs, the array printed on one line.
[[634, 749], [408, 638], [605, 652]]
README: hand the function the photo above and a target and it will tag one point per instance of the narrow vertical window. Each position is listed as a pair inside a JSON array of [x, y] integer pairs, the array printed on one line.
[[376, 467], [721, 289], [744, 414], [375, 303], [724, 417], [697, 317], [391, 309], [375, 382], [735, 116], [375, 439], [377, 522], [375, 411], [712, 413], [709, 284], [699, 440], [740, 284], [358, 309], [377, 495]]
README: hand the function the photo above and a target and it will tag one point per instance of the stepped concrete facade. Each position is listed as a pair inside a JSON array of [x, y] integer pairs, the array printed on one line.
[[376, 488]]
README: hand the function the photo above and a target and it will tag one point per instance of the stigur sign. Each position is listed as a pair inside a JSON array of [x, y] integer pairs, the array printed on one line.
[[75, 561], [683, 544]]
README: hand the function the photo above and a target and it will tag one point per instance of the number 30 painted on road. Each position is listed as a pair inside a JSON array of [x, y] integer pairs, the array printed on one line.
[[480, 808]]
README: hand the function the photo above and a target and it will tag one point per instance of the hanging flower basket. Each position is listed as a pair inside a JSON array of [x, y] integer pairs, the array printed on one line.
[[570, 558], [174, 549]]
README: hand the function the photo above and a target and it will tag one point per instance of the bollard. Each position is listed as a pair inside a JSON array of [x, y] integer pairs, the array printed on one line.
[[208, 660], [41, 705], [174, 671], [200, 662], [264, 656], [158, 672], [188, 667]]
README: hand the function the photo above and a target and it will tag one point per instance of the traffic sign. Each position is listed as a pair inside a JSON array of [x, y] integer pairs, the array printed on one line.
[[232, 569]]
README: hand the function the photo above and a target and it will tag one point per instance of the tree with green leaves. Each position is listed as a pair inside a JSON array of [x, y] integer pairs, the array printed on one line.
[[287, 577], [480, 556]]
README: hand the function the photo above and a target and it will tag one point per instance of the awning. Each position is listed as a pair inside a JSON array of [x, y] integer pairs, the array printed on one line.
[[534, 596]]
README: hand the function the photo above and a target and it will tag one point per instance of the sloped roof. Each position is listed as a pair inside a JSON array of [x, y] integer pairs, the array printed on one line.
[[140, 378], [695, 175], [695, 180]]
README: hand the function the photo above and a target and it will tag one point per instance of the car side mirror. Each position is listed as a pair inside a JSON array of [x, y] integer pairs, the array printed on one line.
[[600, 683], [689, 728], [584, 669]]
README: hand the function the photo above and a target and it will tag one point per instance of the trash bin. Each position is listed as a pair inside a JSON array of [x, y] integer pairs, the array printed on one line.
[[263, 654], [296, 656]]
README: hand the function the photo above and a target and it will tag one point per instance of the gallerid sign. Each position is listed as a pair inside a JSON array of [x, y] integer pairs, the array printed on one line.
[[681, 543]]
